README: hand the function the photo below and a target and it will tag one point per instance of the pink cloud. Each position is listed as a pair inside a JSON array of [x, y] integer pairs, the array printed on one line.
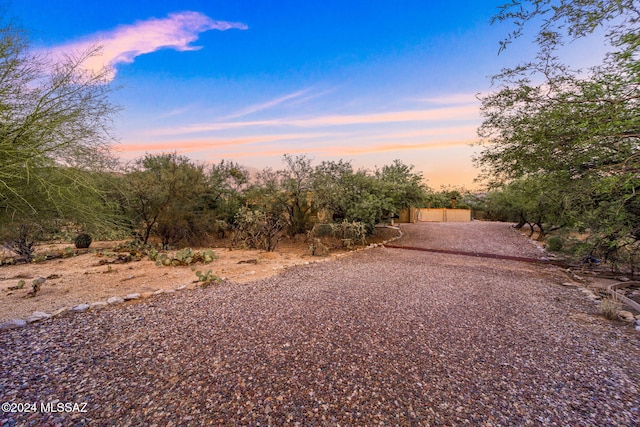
[[398, 147], [464, 112], [209, 144], [467, 112], [342, 150], [123, 44]]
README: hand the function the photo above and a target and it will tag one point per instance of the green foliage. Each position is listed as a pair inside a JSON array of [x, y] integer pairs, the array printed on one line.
[[208, 256], [296, 183], [169, 196], [349, 233], [562, 19], [400, 187], [555, 244], [183, 257], [207, 278], [537, 201], [448, 196], [566, 143], [152, 254], [82, 241], [258, 230], [163, 194], [68, 252], [362, 196], [54, 136], [322, 230], [35, 287], [163, 260], [226, 182]]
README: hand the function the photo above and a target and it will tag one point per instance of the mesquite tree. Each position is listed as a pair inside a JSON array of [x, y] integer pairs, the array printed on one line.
[[54, 135], [576, 131]]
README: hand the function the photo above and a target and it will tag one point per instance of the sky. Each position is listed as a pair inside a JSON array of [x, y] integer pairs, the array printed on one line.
[[248, 81]]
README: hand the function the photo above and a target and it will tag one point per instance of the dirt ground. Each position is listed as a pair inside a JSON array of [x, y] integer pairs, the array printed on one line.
[[87, 278]]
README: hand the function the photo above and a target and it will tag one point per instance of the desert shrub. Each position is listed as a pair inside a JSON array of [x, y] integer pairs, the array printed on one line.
[[82, 241], [354, 231], [21, 240], [609, 307], [136, 248], [348, 233], [221, 228], [317, 248], [322, 230], [258, 230], [555, 244]]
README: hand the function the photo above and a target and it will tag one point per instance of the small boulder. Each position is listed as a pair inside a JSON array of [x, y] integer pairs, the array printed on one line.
[[98, 304], [80, 308], [37, 316], [13, 324], [115, 300], [627, 316], [132, 297]]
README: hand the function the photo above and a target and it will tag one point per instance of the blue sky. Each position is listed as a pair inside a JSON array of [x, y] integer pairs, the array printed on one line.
[[366, 81]]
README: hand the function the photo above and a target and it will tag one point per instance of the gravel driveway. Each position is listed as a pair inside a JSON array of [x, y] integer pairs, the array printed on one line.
[[380, 337]]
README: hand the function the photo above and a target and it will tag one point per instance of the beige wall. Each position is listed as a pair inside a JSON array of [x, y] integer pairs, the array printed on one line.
[[435, 215], [458, 215]]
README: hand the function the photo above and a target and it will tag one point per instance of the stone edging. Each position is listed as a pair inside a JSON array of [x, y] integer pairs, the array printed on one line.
[[37, 316]]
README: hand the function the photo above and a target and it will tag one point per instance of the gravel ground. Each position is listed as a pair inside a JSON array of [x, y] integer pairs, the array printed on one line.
[[379, 337]]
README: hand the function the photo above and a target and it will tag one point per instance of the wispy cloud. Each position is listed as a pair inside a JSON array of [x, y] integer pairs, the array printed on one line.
[[452, 99], [400, 147], [266, 105], [439, 114], [467, 112], [438, 131], [123, 44], [339, 150], [176, 112]]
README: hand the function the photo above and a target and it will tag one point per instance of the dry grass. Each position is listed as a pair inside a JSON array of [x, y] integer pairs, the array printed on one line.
[[610, 306]]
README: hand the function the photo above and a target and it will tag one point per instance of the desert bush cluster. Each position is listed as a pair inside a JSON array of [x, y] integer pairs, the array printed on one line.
[[167, 201]]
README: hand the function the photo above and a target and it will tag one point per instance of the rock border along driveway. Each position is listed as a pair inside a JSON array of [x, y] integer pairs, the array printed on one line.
[[383, 336]]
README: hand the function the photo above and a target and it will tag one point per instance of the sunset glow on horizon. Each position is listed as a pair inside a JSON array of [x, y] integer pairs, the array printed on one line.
[[366, 82]]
